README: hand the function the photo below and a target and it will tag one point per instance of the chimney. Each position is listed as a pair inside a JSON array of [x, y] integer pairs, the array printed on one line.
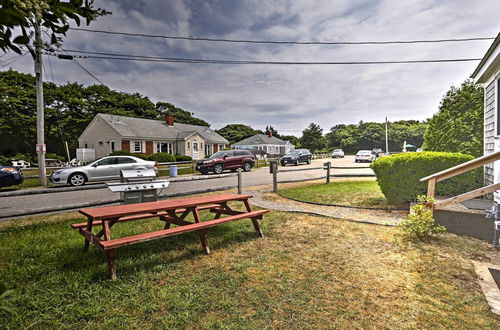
[[169, 118], [270, 133]]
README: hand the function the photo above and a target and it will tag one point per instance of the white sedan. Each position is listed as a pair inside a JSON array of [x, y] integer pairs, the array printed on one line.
[[365, 156], [338, 153]]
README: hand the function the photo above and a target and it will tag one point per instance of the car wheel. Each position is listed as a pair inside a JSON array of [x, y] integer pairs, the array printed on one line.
[[283, 164], [308, 160], [247, 167], [297, 162], [77, 179], [218, 168]]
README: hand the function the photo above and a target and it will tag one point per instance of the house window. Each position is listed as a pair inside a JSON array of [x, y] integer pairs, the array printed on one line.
[[221, 146], [85, 146], [498, 107], [277, 150], [137, 146], [195, 146], [165, 147], [208, 149], [112, 145], [189, 145], [201, 146]]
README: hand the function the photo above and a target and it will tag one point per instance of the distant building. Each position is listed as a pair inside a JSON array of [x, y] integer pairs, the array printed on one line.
[[267, 143], [487, 74], [108, 133]]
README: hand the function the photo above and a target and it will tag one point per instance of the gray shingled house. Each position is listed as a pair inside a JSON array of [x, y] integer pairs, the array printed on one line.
[[487, 74], [267, 143], [107, 133]]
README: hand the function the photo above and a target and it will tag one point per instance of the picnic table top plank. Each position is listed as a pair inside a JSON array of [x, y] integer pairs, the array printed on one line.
[[109, 212]]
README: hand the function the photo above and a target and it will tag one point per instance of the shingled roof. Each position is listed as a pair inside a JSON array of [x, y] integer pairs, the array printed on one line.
[[260, 139], [132, 127]]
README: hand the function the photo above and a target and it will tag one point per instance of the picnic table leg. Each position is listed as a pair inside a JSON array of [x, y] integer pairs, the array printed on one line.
[[203, 233], [167, 222], [86, 243], [254, 220], [110, 254]]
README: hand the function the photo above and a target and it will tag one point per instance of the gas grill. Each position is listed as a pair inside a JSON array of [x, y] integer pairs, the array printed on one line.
[[138, 186]]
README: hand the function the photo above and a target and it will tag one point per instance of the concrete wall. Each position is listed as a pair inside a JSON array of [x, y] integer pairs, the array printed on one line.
[[467, 224]]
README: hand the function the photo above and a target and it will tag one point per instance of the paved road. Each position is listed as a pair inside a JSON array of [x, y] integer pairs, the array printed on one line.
[[11, 206]]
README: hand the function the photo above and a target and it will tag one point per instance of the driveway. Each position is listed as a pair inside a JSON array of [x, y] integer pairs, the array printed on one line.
[[11, 206]]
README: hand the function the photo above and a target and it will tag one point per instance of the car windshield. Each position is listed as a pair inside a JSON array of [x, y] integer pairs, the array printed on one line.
[[337, 150], [293, 153], [219, 154]]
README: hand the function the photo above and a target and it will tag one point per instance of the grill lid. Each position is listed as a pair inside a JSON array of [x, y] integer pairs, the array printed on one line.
[[138, 174]]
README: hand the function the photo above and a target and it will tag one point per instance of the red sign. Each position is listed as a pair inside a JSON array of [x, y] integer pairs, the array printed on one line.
[[41, 148]]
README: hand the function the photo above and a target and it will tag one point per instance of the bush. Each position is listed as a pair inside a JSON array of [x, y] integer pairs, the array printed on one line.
[[420, 224], [162, 157], [182, 158], [398, 175], [121, 153], [49, 155]]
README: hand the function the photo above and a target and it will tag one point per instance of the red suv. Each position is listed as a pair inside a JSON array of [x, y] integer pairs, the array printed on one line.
[[226, 160]]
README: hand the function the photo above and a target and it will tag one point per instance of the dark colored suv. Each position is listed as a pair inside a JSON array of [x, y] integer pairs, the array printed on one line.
[[296, 157], [226, 160]]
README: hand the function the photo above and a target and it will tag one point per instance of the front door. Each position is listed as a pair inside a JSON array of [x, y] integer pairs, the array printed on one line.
[[196, 150]]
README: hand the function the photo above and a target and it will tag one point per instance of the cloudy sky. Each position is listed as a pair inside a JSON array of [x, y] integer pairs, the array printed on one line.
[[286, 97]]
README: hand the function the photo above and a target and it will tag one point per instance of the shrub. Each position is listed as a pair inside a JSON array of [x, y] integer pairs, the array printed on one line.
[[49, 155], [121, 153], [182, 158], [162, 157], [420, 224], [398, 175]]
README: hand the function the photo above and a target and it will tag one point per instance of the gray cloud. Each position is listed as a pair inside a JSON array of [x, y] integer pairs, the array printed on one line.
[[287, 97]]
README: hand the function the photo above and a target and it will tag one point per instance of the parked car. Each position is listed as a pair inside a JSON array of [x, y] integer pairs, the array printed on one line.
[[296, 157], [364, 156], [338, 153], [419, 150], [226, 160], [107, 168], [10, 176], [378, 152]]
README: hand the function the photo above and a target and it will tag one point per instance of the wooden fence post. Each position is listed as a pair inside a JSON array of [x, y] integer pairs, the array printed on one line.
[[274, 171], [240, 181], [431, 187], [328, 167], [193, 166]]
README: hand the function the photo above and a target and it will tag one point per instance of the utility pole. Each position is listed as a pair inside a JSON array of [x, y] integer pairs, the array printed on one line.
[[40, 136], [386, 138]]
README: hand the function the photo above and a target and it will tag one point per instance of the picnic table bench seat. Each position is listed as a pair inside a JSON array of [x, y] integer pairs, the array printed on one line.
[[171, 212]]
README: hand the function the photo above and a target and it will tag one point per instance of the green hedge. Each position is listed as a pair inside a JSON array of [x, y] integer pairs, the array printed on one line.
[[121, 153], [182, 158], [162, 157], [398, 175]]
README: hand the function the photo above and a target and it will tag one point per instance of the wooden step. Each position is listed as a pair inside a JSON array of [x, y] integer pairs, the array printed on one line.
[[142, 216], [119, 242]]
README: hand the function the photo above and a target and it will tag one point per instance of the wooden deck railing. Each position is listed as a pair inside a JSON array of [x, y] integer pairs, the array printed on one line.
[[456, 170]]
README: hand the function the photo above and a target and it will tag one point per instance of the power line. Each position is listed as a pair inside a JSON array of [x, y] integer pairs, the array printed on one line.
[[81, 66], [284, 42], [12, 61], [129, 57]]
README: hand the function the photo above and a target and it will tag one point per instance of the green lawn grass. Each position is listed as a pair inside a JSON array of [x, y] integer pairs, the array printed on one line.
[[353, 193], [308, 272]]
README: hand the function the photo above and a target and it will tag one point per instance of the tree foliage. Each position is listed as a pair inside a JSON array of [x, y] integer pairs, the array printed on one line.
[[458, 125], [69, 109], [369, 135], [312, 138], [181, 116], [53, 15], [237, 132]]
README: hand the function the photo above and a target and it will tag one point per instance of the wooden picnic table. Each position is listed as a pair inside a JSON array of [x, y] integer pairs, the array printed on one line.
[[171, 212]]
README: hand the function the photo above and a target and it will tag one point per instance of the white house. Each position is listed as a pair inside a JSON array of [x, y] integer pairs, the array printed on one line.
[[487, 74], [267, 143], [108, 133]]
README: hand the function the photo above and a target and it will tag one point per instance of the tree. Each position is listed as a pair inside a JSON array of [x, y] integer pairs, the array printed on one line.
[[312, 138], [458, 125], [53, 15], [274, 131], [181, 116], [236, 132], [69, 109]]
